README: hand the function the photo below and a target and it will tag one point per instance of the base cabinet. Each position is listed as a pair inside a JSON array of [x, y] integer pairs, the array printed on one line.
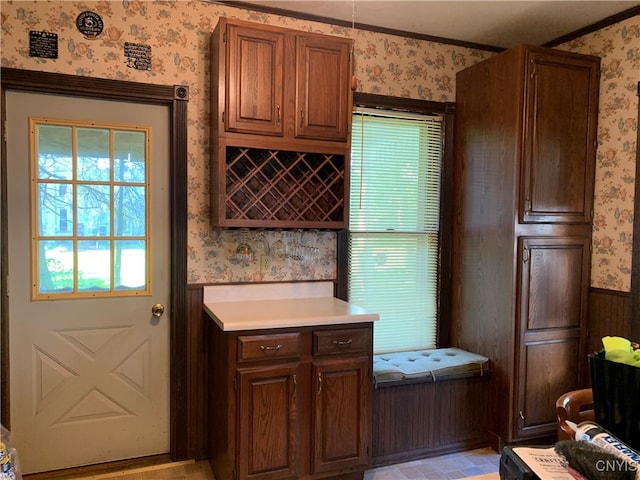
[[291, 403]]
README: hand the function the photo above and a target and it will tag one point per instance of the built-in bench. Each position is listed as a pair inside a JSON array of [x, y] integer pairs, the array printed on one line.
[[428, 402]]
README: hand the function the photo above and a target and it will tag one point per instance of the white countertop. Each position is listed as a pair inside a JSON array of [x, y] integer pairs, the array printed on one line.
[[302, 305]]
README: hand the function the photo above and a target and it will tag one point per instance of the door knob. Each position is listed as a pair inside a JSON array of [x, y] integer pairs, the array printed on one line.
[[157, 310]]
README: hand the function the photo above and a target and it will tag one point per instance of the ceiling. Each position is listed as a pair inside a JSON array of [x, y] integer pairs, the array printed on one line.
[[492, 23]]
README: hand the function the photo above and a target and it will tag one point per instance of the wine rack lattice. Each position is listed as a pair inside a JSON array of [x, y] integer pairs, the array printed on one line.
[[276, 185]]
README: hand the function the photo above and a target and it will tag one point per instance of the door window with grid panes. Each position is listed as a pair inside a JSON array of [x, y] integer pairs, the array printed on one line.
[[90, 200]]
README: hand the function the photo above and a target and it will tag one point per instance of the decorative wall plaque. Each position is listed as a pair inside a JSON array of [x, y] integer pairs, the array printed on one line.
[[138, 55], [43, 44], [90, 24]]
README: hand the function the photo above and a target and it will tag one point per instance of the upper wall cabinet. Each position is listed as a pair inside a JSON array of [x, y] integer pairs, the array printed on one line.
[[282, 83], [281, 117]]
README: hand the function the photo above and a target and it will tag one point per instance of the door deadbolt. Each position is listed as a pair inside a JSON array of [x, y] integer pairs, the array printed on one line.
[[157, 310]]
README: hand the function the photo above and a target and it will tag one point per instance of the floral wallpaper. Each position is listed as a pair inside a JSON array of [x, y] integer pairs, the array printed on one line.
[[619, 48], [178, 33]]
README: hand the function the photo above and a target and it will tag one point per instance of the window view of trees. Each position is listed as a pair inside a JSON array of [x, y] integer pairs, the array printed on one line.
[[90, 193]]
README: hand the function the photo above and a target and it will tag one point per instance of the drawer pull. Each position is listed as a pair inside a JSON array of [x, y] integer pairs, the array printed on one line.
[[319, 383], [343, 343], [270, 349]]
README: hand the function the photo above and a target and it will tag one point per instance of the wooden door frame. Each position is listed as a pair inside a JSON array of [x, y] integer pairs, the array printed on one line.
[[175, 97]]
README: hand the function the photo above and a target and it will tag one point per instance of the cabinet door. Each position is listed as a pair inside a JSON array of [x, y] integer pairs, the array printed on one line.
[[553, 307], [549, 368], [254, 80], [342, 391], [560, 134], [554, 282], [268, 435], [323, 93]]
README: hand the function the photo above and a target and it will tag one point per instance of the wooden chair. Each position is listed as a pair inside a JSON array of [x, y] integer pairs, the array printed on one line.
[[575, 406]]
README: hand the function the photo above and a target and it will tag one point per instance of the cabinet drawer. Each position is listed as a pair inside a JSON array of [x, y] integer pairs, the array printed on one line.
[[331, 342], [264, 347]]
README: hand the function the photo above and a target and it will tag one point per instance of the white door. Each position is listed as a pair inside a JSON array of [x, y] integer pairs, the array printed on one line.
[[89, 362]]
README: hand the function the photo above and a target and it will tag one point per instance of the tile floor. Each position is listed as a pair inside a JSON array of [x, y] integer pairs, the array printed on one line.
[[445, 467]]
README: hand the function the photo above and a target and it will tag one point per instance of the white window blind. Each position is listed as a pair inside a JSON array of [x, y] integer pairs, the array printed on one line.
[[393, 225]]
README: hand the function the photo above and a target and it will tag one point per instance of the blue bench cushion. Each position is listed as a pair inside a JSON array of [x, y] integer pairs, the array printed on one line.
[[428, 365]]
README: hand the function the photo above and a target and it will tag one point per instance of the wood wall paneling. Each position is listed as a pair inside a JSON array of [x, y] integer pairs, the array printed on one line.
[[198, 350], [609, 314], [418, 420]]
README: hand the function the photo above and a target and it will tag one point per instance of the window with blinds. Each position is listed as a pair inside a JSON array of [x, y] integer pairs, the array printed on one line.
[[396, 163]]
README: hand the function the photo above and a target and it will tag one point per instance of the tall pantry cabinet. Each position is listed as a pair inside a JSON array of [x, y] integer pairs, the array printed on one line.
[[525, 143]]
